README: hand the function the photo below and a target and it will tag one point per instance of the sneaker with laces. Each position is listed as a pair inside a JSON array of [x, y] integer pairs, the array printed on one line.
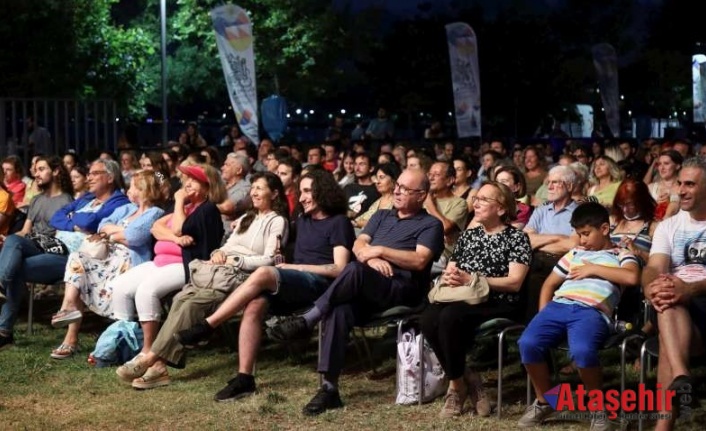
[[453, 403], [294, 328], [535, 414], [240, 386], [6, 341], [195, 336], [477, 394], [325, 399], [600, 422]]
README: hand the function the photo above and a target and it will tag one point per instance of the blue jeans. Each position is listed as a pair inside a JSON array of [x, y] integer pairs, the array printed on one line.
[[22, 261]]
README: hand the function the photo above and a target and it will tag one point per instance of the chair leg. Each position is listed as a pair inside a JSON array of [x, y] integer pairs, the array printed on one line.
[[501, 342], [318, 352], [643, 375], [422, 368], [30, 312], [368, 352]]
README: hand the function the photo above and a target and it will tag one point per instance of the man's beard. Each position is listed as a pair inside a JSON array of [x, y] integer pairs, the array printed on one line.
[[43, 186]]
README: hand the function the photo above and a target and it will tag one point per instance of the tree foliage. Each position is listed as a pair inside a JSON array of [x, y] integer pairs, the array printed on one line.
[[71, 48], [296, 49]]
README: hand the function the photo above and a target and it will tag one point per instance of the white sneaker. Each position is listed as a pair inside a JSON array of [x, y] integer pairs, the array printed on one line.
[[534, 415]]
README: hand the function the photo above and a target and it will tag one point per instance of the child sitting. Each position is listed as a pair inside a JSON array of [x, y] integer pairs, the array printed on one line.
[[588, 280]]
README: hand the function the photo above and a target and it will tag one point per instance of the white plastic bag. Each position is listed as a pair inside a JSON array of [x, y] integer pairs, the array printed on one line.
[[409, 370]]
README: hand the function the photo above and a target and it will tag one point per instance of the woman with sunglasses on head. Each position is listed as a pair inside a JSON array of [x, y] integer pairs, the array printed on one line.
[[88, 279], [493, 249]]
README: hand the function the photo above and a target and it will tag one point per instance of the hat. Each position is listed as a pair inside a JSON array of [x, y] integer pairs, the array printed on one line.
[[196, 172]]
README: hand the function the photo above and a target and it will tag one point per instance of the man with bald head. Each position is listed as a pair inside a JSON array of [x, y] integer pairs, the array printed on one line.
[[393, 257]]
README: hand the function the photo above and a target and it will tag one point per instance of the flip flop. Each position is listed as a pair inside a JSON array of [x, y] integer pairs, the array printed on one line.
[[64, 351], [152, 379]]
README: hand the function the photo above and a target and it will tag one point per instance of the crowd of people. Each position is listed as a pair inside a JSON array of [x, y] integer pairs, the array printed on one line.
[[562, 236]]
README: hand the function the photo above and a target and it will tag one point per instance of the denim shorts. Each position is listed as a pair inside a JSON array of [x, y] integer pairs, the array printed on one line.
[[296, 291]]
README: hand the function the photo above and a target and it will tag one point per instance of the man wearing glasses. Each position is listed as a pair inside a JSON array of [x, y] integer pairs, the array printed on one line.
[[550, 232], [451, 210], [393, 255]]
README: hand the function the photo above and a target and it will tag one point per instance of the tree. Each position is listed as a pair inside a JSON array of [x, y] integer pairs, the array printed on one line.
[[71, 48], [296, 49]]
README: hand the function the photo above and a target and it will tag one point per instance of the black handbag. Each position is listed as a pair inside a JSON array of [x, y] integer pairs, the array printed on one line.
[[49, 244]]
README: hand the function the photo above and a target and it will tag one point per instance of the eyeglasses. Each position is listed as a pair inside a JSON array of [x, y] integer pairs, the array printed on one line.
[[406, 190], [483, 200], [96, 173]]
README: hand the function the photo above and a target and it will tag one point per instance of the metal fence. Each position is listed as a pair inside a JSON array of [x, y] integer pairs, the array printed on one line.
[[73, 125]]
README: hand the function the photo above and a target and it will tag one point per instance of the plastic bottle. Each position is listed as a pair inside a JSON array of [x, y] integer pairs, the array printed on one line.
[[278, 257]]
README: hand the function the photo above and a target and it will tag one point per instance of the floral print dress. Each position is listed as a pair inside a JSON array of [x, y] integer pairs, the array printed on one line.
[[92, 277]]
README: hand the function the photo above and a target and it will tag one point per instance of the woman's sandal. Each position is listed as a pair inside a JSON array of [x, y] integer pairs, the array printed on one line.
[[64, 351], [152, 379]]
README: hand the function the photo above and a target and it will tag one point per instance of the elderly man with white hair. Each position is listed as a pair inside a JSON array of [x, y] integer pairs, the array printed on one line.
[[235, 172], [550, 232]]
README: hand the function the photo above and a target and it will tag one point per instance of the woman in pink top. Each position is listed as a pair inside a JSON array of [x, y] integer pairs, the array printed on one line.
[[192, 231], [13, 172]]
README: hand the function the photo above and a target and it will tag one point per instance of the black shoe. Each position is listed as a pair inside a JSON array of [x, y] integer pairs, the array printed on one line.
[[240, 386], [6, 341], [290, 329], [197, 335], [683, 386], [325, 399]]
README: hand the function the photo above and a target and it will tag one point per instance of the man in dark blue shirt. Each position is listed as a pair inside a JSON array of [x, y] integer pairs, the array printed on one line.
[[323, 247], [393, 254]]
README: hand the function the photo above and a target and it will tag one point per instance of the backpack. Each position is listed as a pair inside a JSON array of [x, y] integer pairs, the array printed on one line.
[[120, 342]]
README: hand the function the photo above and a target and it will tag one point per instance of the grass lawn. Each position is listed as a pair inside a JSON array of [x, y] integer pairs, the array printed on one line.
[[38, 393]]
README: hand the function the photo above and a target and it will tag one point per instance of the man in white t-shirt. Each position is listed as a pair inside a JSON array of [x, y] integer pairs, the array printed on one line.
[[674, 281]]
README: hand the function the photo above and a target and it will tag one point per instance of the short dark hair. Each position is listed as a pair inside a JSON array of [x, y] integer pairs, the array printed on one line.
[[292, 163], [589, 214]]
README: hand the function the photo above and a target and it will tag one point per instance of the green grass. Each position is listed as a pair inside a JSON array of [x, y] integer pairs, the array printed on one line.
[[38, 393]]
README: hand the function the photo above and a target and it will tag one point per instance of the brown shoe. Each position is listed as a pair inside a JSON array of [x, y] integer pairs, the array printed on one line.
[[453, 403], [477, 394], [152, 379]]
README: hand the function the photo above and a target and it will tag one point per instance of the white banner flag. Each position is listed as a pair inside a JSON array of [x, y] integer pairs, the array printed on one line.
[[234, 38], [465, 78], [698, 73]]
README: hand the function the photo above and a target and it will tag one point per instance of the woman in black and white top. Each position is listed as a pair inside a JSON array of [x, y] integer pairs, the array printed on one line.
[[501, 253]]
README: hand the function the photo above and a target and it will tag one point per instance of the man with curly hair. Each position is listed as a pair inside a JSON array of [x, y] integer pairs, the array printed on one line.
[[394, 254], [323, 247]]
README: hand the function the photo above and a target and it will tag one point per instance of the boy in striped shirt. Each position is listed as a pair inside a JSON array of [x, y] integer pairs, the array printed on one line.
[[577, 303]]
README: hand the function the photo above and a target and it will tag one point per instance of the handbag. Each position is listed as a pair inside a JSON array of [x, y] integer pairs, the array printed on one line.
[[95, 249], [48, 243], [416, 361], [205, 275], [474, 292]]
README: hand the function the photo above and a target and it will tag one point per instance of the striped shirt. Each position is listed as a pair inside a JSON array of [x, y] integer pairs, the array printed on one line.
[[592, 291]]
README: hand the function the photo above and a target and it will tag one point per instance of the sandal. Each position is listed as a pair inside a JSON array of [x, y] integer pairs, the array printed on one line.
[[64, 351], [65, 317], [152, 379], [132, 369]]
